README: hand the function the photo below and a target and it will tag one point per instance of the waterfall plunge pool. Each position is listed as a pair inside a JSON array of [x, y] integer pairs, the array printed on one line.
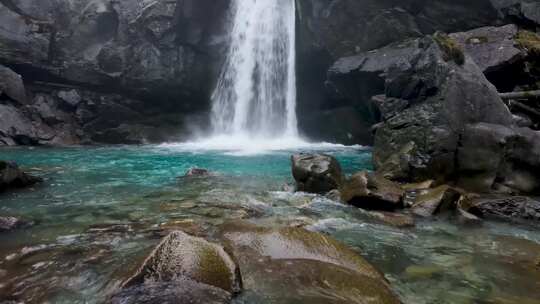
[[102, 209]]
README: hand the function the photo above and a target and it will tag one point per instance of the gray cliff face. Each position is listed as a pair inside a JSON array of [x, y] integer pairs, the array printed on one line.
[[330, 30], [149, 61]]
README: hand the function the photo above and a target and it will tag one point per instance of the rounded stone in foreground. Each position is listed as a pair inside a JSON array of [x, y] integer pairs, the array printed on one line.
[[294, 265], [180, 258]]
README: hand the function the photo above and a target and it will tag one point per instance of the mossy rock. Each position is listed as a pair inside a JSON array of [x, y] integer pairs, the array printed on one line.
[[451, 49], [294, 265], [180, 255], [529, 41]]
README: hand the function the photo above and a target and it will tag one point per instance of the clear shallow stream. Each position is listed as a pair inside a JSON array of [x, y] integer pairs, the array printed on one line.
[[100, 211]]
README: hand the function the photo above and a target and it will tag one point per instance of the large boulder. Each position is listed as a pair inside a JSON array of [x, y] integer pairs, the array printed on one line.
[[13, 177], [312, 267], [372, 191], [180, 255], [432, 90], [498, 158], [316, 173], [176, 292], [182, 269]]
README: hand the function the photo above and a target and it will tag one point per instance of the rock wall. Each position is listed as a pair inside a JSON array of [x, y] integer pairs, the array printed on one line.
[[111, 71]]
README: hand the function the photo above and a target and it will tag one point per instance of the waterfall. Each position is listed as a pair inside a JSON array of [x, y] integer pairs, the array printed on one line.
[[255, 96]]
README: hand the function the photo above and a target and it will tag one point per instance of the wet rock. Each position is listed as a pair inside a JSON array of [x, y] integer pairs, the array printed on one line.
[[180, 256], [467, 218], [316, 173], [422, 272], [15, 127], [432, 201], [372, 191], [334, 195], [176, 292], [393, 219], [12, 177], [8, 223], [188, 226], [518, 209], [311, 267], [197, 172]]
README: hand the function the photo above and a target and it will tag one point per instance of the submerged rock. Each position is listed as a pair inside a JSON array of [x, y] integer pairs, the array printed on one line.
[[293, 265], [8, 223], [316, 173], [197, 172], [12, 177], [372, 191], [393, 219]]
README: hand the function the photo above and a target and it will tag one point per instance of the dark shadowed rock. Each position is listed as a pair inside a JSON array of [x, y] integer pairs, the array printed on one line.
[[197, 172], [517, 209], [312, 267], [372, 191], [494, 157], [399, 220], [181, 291], [12, 177], [316, 173], [11, 84]]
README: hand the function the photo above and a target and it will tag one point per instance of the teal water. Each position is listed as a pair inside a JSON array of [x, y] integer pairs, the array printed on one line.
[[100, 210]]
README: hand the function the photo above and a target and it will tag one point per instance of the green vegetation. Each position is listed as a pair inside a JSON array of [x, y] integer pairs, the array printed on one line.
[[529, 41], [452, 51]]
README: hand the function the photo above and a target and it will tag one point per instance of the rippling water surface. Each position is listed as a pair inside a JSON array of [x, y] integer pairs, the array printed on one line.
[[100, 210]]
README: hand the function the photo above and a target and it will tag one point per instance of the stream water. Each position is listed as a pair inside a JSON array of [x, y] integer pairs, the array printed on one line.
[[102, 209]]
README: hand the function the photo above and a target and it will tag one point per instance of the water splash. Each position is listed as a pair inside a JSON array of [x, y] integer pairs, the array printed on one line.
[[256, 93]]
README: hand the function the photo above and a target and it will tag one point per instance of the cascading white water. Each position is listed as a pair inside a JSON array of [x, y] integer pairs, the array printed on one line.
[[256, 94], [254, 102]]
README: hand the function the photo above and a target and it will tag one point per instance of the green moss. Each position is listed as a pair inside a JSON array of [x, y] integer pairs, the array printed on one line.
[[477, 40], [214, 269], [529, 41], [452, 51]]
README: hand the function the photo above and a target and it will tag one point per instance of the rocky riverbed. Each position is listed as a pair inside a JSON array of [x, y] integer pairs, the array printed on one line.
[[137, 229]]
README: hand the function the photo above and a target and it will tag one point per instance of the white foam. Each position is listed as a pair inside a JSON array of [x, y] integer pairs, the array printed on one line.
[[244, 145]]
